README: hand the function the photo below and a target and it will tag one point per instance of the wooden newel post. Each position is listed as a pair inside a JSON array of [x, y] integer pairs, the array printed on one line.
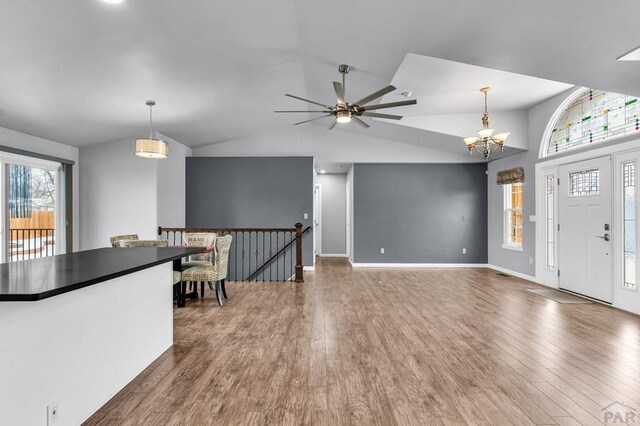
[[299, 267]]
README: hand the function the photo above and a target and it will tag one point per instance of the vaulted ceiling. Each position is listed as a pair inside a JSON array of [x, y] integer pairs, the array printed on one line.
[[79, 71]]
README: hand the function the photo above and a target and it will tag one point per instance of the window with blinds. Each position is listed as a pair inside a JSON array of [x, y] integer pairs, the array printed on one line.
[[629, 212], [513, 215]]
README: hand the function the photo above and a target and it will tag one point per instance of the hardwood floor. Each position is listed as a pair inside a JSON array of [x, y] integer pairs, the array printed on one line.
[[387, 346]]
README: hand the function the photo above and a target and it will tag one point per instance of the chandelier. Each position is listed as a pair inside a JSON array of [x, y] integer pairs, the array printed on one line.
[[485, 142], [151, 147]]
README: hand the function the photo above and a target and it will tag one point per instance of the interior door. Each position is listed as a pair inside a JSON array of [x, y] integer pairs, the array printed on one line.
[[584, 237]]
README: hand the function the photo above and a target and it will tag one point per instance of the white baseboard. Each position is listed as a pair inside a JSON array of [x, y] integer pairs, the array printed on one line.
[[309, 268], [514, 273], [333, 255], [418, 265]]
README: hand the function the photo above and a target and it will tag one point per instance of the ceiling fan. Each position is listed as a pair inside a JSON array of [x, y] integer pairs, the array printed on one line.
[[345, 112]]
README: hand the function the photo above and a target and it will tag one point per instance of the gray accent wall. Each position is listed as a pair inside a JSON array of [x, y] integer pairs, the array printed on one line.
[[251, 192], [334, 213], [420, 213]]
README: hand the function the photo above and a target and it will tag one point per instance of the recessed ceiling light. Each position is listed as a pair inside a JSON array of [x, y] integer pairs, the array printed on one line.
[[632, 55], [113, 1]]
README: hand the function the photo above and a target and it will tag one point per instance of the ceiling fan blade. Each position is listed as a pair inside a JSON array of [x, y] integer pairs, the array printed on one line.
[[326, 112], [332, 125], [307, 100], [389, 105], [377, 115], [339, 92], [376, 95], [360, 122], [313, 119]]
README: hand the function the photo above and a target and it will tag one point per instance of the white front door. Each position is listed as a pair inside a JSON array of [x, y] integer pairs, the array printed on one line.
[[584, 237]]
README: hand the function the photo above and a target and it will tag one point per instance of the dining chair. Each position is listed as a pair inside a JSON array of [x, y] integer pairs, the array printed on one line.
[[212, 273], [199, 239], [143, 243], [115, 240]]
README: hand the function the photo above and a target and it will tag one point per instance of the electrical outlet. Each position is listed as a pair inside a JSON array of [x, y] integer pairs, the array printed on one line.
[[53, 413], [464, 251], [381, 250], [306, 215]]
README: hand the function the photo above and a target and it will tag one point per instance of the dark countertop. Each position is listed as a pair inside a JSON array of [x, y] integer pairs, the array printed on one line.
[[37, 279]]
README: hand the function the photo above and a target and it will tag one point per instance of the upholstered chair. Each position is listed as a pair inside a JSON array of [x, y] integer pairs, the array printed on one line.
[[216, 273], [143, 243], [115, 240], [199, 239]]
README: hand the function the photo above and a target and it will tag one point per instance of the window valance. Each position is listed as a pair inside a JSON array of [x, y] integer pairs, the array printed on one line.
[[515, 175]]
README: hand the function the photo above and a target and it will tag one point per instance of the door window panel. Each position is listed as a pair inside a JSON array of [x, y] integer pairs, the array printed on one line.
[[585, 182]]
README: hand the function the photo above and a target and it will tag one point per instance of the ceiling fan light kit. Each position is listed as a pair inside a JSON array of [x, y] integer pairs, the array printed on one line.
[[345, 112], [485, 142]]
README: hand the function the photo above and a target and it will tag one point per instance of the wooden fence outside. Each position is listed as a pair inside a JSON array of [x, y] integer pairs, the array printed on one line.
[[38, 220]]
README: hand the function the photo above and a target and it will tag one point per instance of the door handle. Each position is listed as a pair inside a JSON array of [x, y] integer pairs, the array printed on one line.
[[604, 237]]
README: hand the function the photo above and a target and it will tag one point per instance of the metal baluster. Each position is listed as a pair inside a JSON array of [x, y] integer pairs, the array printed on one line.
[[292, 254], [242, 253], [249, 253], [277, 260], [270, 252], [262, 256], [257, 251]]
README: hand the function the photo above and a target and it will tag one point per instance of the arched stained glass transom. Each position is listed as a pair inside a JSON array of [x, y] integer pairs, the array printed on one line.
[[593, 116]]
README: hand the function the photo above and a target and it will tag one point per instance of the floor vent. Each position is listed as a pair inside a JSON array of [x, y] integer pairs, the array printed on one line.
[[502, 274]]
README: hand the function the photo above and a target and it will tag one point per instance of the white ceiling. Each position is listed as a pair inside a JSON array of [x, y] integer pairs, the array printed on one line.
[[79, 71], [447, 87]]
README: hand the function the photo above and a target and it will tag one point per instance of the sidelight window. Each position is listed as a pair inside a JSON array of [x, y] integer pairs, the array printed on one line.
[[550, 220], [630, 243]]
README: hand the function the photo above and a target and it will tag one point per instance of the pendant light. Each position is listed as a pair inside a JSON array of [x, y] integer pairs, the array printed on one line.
[[151, 147]]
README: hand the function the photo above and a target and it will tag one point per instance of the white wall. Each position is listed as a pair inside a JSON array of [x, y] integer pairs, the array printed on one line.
[[334, 213], [350, 214], [519, 261], [124, 194], [38, 145], [171, 185]]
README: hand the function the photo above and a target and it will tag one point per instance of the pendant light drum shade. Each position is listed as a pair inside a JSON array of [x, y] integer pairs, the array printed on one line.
[[151, 147]]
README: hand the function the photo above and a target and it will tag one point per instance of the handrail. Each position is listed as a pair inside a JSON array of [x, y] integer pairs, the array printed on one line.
[[162, 229], [253, 246], [275, 256]]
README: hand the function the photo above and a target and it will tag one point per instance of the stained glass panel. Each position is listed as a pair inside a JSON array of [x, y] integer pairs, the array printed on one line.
[[595, 116]]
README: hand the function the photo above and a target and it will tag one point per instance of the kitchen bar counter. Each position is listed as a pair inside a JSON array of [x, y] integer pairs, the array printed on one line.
[[37, 279], [76, 328]]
